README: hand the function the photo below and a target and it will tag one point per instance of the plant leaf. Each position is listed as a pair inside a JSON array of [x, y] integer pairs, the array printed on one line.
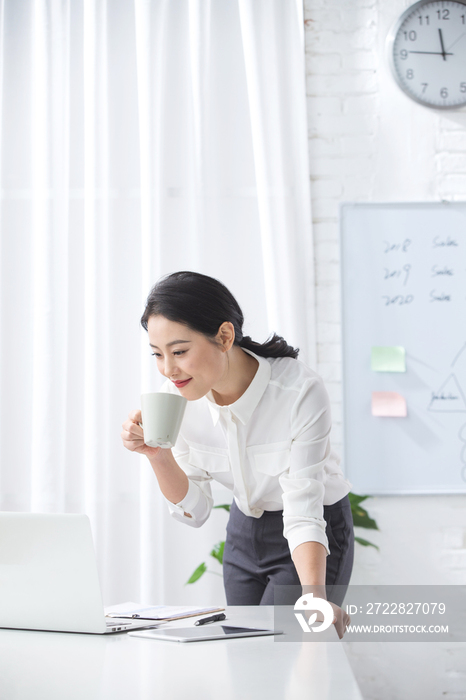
[[360, 515], [365, 543], [217, 552], [225, 506], [361, 518], [355, 499], [197, 574]]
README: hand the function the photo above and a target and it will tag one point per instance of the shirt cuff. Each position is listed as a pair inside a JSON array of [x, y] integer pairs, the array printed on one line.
[[305, 532], [188, 504]]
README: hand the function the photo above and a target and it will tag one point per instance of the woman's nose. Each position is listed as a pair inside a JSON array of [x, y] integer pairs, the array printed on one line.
[[169, 367]]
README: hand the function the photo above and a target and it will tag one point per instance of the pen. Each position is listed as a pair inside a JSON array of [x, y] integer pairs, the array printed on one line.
[[213, 618]]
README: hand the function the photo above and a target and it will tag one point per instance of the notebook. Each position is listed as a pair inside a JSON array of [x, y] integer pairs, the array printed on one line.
[[49, 578]]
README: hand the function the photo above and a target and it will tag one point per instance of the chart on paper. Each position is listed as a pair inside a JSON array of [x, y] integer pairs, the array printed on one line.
[[403, 282]]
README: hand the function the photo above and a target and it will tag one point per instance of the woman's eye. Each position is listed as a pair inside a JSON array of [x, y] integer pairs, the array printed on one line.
[[179, 352], [156, 354]]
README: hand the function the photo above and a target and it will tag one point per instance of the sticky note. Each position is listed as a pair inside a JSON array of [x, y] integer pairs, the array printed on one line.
[[388, 359], [388, 404]]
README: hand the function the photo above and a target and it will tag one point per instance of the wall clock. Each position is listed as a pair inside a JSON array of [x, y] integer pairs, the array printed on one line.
[[427, 53]]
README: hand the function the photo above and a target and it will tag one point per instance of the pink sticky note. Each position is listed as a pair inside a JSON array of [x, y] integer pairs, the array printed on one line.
[[388, 404]]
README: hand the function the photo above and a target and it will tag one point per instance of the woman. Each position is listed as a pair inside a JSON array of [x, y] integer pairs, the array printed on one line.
[[258, 421]]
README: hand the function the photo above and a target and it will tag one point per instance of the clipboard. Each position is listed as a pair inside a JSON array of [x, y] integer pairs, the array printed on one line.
[[157, 613]]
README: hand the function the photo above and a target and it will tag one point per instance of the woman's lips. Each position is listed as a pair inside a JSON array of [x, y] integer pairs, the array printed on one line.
[[183, 383]]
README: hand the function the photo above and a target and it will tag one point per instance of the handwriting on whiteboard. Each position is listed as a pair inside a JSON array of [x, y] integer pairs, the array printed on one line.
[[396, 247], [400, 278], [444, 242]]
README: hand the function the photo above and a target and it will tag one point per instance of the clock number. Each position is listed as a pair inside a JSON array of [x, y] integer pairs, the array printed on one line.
[[424, 87], [410, 74], [403, 54], [412, 36], [444, 93], [425, 19], [463, 18], [443, 14], [462, 87]]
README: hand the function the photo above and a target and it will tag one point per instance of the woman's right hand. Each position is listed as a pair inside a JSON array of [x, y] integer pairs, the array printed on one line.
[[133, 436]]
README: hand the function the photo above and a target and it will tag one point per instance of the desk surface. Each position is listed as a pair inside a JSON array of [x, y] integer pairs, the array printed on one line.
[[53, 666]]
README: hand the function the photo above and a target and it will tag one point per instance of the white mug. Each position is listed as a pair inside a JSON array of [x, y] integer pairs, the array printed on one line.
[[162, 415]]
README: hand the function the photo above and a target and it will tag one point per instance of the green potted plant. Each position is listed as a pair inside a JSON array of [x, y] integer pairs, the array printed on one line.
[[361, 518]]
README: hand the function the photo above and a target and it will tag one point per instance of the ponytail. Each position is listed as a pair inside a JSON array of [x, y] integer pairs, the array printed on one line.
[[276, 346]]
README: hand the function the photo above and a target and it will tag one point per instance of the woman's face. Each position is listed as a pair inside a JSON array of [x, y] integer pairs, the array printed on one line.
[[192, 362]]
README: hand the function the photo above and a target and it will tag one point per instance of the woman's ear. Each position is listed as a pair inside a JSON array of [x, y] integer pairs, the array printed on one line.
[[226, 336]]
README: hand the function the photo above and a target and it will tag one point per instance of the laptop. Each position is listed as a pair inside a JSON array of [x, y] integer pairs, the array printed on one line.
[[48, 576]]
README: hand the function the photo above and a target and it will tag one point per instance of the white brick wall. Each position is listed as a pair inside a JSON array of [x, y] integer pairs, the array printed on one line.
[[369, 142]]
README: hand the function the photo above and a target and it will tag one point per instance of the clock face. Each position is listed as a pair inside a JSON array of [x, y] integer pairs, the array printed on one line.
[[427, 51]]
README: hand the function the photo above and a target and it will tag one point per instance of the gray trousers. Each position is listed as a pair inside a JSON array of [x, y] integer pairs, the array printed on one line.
[[257, 556]]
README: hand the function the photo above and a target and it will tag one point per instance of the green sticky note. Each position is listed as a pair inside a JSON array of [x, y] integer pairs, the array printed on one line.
[[388, 359]]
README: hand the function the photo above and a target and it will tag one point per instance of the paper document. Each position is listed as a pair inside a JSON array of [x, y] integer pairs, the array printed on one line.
[[157, 612]]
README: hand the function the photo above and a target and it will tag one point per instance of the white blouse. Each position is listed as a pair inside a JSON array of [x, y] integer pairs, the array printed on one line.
[[271, 448]]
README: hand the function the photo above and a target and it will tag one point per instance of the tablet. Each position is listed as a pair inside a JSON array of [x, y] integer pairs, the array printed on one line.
[[203, 633]]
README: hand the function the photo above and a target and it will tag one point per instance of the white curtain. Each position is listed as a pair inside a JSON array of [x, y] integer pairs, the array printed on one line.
[[137, 138]]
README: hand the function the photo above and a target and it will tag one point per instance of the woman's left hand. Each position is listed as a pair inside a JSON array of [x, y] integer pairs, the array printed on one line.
[[341, 619]]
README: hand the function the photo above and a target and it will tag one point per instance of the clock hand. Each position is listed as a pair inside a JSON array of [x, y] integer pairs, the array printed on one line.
[[433, 53], [441, 44]]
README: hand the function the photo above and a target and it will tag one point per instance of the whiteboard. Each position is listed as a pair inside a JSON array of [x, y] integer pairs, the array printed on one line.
[[403, 283]]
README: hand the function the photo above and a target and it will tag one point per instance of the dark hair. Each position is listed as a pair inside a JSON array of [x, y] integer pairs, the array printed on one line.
[[203, 303]]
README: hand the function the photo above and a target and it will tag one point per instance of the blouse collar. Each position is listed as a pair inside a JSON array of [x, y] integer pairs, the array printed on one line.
[[245, 406]]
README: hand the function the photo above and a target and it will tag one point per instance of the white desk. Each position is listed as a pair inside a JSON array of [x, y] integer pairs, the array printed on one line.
[[56, 666]]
